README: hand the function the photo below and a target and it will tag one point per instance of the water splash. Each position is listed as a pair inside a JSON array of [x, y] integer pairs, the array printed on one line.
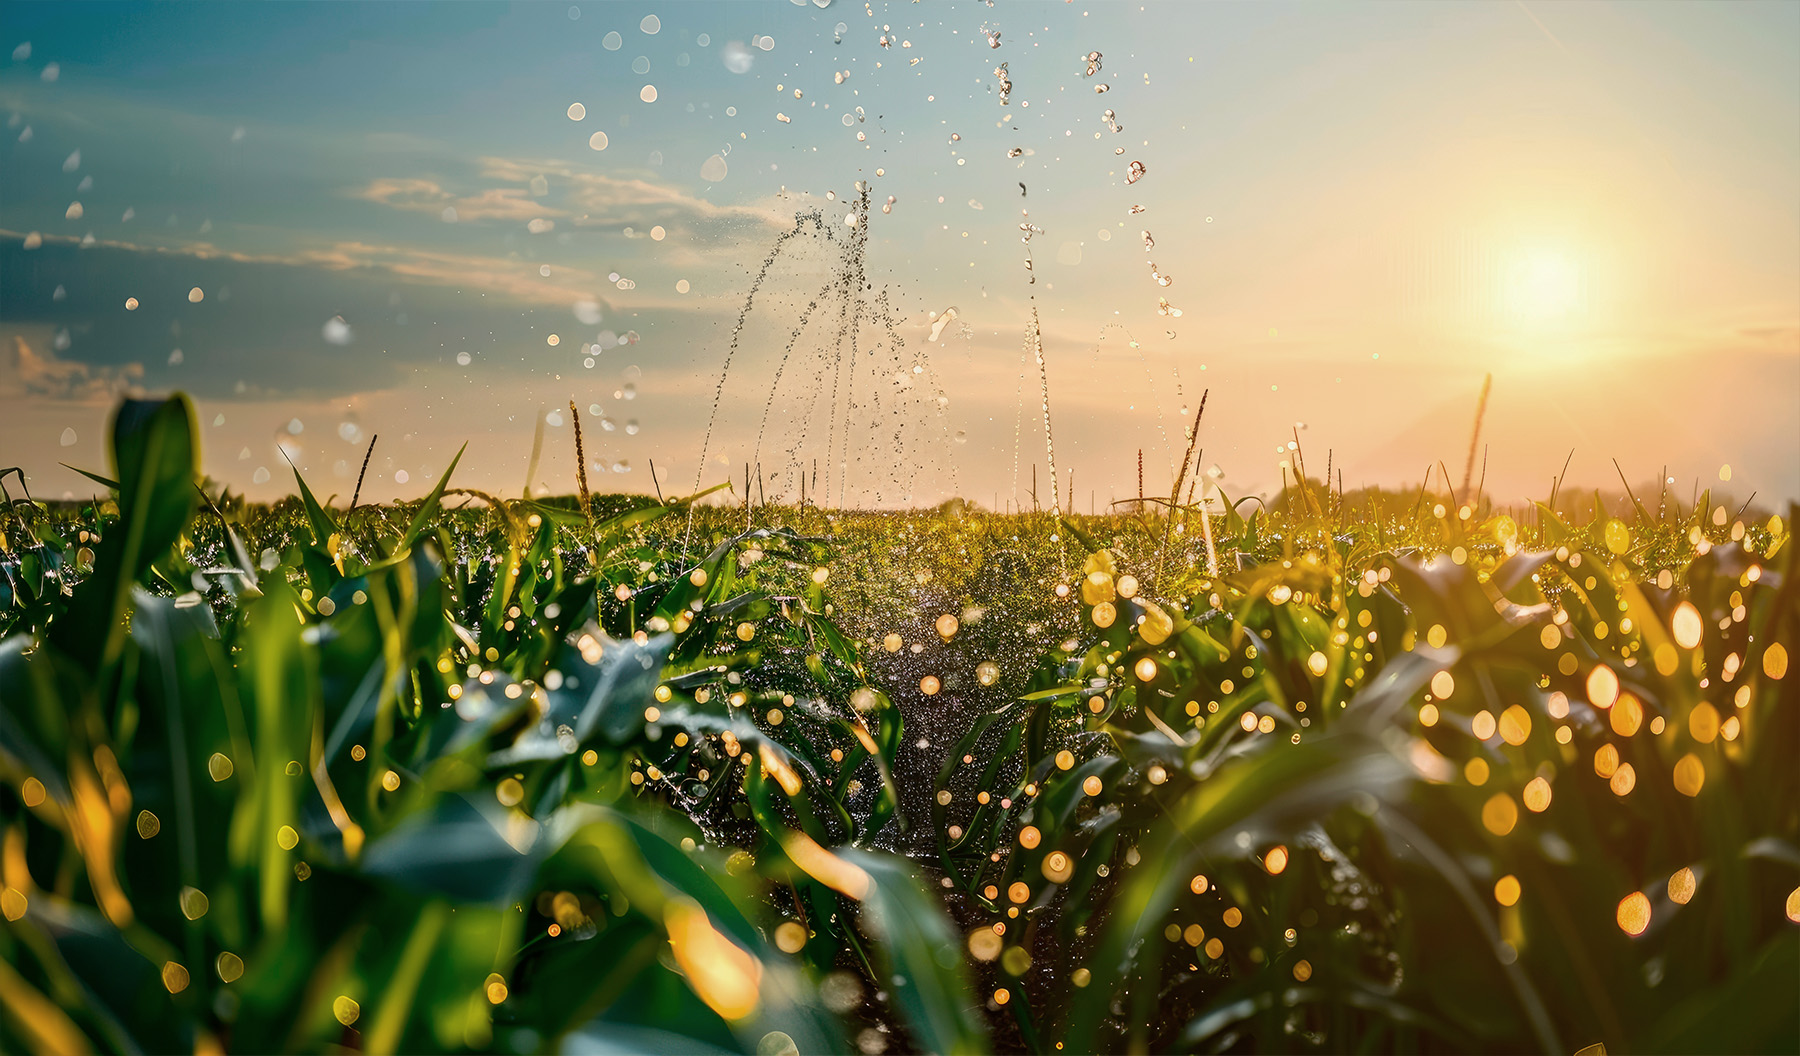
[[842, 361]]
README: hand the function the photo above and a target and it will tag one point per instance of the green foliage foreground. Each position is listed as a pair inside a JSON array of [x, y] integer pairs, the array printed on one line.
[[542, 780]]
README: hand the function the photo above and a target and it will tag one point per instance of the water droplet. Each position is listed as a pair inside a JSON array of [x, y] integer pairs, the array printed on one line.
[[713, 169], [651, 25], [597, 141], [648, 94], [612, 41], [336, 331], [577, 111]]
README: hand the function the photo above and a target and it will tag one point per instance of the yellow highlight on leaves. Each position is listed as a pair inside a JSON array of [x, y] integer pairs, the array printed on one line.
[[230, 967], [1618, 538], [1634, 913], [1550, 637], [1097, 588], [1157, 626], [1690, 775], [1687, 625], [1437, 636], [1483, 725], [1303, 971], [1476, 770], [722, 973], [1442, 685], [1317, 663], [1029, 837], [1499, 814], [174, 977], [778, 768], [841, 875], [1606, 760], [1793, 905]]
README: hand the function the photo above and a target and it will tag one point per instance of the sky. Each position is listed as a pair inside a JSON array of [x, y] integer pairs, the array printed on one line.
[[442, 224]]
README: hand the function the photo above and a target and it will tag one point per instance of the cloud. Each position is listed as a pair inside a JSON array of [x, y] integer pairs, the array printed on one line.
[[511, 277], [525, 189], [25, 371], [429, 196]]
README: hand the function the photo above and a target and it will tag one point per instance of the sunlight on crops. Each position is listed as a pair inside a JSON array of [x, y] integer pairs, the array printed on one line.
[[771, 776]]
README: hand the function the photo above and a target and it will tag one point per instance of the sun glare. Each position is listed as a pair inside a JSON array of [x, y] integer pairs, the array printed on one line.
[[1544, 289]]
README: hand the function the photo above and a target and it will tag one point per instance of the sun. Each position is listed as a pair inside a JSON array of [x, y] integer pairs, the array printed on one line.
[[1544, 288]]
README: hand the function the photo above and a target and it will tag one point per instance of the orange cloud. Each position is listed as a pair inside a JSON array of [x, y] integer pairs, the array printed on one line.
[[25, 371]]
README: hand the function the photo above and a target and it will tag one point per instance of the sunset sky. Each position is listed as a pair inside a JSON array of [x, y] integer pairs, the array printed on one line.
[[325, 221]]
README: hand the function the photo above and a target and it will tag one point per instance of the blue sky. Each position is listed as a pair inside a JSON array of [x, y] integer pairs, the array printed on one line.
[[1361, 212]]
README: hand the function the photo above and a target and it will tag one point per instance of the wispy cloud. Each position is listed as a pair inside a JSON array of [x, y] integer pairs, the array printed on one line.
[[417, 195], [526, 189], [25, 371]]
